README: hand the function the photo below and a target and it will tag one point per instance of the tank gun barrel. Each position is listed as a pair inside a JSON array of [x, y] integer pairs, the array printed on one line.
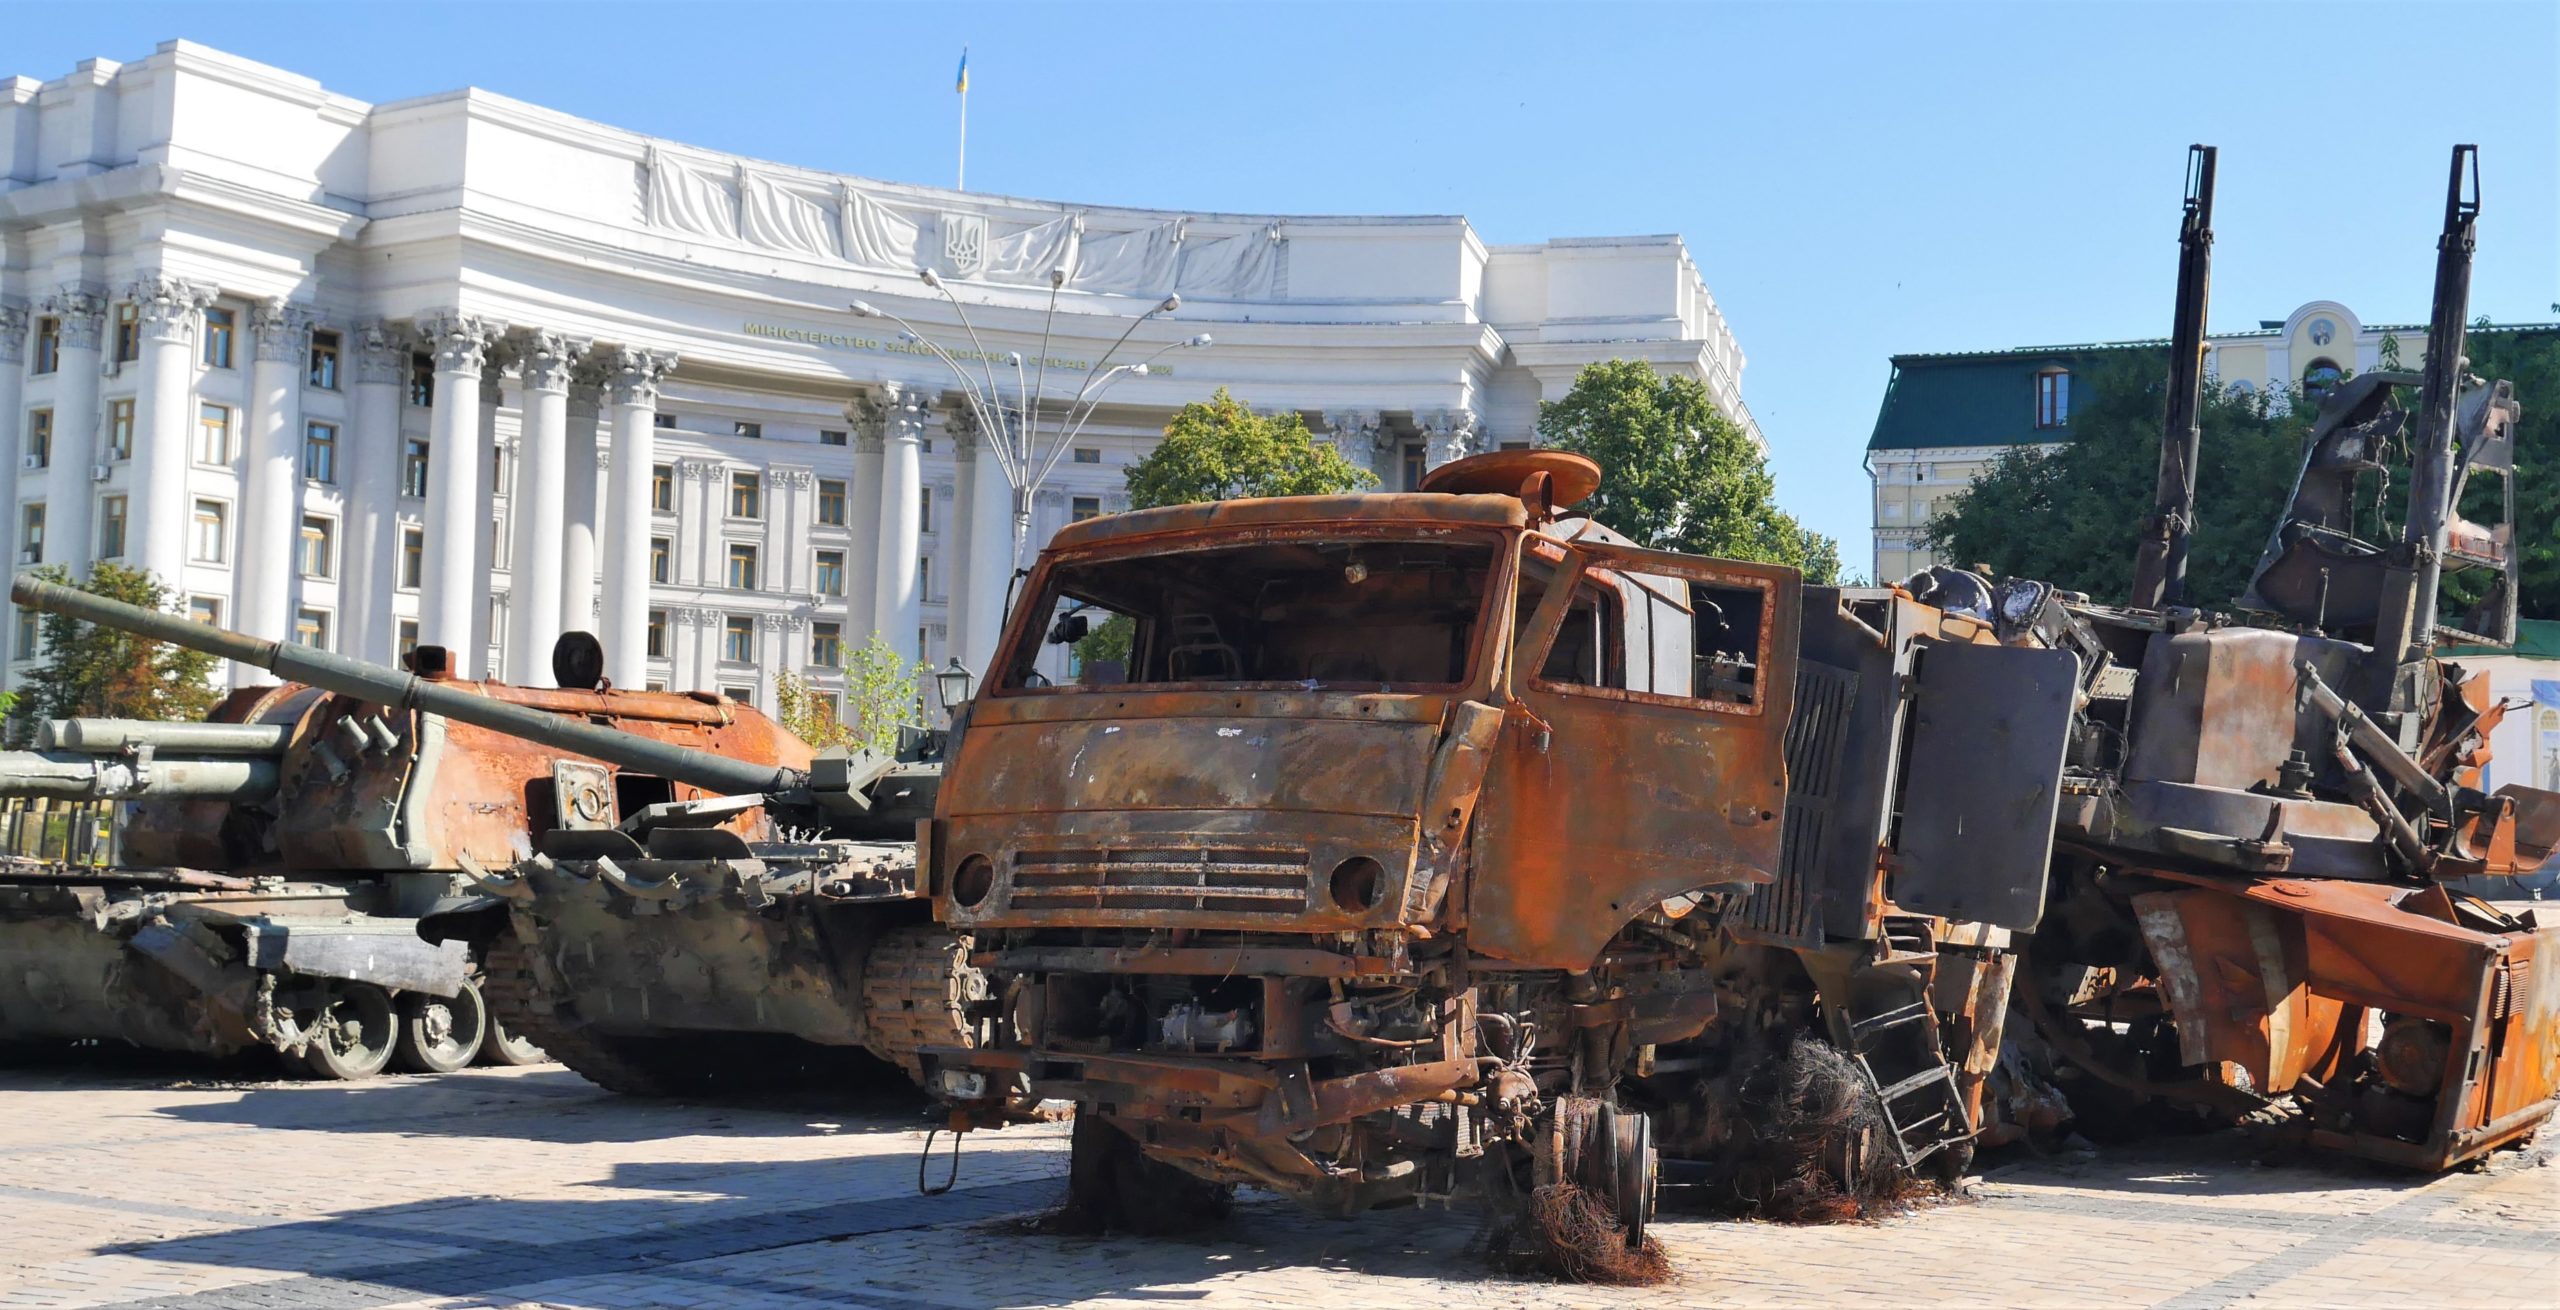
[[116, 736], [347, 676], [69, 775]]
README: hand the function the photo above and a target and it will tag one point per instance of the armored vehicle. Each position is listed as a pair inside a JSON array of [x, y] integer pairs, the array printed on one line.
[[1445, 842], [2263, 815], [625, 878]]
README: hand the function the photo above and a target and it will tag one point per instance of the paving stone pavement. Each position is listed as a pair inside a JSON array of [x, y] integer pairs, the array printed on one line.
[[164, 1188]]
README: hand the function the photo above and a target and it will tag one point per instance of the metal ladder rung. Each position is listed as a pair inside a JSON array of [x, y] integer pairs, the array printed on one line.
[[1900, 1016], [1917, 1081]]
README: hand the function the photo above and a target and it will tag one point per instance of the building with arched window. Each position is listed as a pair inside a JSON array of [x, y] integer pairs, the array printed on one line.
[[467, 371]]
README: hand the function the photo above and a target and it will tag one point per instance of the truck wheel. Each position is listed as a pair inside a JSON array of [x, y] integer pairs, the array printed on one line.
[[353, 1032], [1113, 1187], [439, 1034]]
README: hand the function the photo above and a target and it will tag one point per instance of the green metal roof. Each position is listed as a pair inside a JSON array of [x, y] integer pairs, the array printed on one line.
[[2536, 639], [1983, 398]]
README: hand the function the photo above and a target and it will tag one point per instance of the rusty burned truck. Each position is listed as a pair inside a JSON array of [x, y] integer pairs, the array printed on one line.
[[1446, 843]]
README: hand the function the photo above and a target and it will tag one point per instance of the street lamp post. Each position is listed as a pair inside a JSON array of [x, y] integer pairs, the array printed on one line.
[[1024, 452]]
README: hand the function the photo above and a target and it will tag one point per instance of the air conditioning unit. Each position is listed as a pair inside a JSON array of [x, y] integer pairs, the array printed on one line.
[[99, 472], [31, 462]]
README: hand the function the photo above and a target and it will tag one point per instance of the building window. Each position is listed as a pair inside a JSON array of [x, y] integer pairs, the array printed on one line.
[[111, 517], [830, 581], [120, 429], [48, 344], [501, 550], [408, 640], [662, 488], [2321, 378], [323, 369], [924, 513], [661, 550], [924, 577], [39, 439], [213, 434], [206, 610], [318, 547], [1080, 508], [826, 644], [830, 437], [1412, 464], [31, 535], [738, 639], [30, 633], [751, 431], [1088, 455], [831, 502], [413, 467], [311, 628], [657, 634], [743, 695], [663, 421], [2053, 398], [422, 379], [498, 466], [221, 328], [746, 496], [211, 534], [413, 557], [128, 332], [320, 452], [742, 567]]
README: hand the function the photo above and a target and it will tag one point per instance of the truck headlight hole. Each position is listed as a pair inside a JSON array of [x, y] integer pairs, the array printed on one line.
[[1356, 882], [973, 882]]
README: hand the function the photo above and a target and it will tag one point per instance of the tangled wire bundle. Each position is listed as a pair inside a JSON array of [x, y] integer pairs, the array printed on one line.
[[1564, 1232], [1802, 1138]]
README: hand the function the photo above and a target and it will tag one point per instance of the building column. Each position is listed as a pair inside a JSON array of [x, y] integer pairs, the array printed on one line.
[[158, 516], [270, 510], [901, 491], [953, 520], [536, 558], [1447, 435], [632, 382], [581, 513], [68, 500], [862, 521], [457, 519], [989, 521], [14, 320], [370, 450]]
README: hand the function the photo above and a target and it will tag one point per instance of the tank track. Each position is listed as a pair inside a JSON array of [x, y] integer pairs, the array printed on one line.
[[917, 984], [514, 992]]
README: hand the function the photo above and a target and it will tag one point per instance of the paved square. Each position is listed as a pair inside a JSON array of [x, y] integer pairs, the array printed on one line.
[[153, 1185]]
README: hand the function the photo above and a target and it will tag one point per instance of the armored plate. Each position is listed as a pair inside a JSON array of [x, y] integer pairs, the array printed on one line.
[[1984, 780]]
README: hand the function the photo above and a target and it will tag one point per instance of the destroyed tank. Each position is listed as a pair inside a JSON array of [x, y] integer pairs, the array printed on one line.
[[1445, 843], [2265, 812], [629, 880]]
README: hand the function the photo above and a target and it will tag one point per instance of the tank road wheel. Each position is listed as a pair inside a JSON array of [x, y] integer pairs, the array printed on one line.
[[917, 985], [506, 1047], [439, 1034], [353, 1032]]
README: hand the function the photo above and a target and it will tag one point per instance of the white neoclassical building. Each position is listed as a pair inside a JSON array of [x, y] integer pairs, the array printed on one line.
[[466, 371]]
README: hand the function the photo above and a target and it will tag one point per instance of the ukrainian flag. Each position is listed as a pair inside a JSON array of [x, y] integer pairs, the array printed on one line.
[[963, 87]]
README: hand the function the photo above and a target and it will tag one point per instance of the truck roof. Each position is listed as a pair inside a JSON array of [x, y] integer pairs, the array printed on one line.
[[1416, 507]]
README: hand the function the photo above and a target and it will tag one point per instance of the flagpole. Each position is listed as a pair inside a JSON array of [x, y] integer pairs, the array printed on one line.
[[963, 183]]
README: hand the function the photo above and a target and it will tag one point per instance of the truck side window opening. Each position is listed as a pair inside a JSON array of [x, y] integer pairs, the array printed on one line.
[[1368, 613], [1658, 634], [1590, 649]]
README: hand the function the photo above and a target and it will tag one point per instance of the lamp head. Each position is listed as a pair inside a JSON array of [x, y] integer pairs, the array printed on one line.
[[1171, 303], [931, 278], [865, 309], [952, 682], [1197, 342], [1057, 277]]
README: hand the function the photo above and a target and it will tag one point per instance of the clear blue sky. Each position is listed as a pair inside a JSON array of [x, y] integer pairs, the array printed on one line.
[[1855, 180]]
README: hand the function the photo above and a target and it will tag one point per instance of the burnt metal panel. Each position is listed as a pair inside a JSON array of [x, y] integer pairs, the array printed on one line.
[[1786, 912], [1984, 780], [388, 952]]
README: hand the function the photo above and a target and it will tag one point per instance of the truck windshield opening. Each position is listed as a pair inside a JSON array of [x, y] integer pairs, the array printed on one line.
[[1366, 614]]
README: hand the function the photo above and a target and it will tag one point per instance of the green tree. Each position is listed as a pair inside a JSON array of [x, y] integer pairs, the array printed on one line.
[[95, 671], [2072, 515], [880, 698], [1677, 475], [1218, 450]]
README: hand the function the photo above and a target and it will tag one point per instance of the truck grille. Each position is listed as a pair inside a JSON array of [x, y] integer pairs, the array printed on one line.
[[1224, 880]]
